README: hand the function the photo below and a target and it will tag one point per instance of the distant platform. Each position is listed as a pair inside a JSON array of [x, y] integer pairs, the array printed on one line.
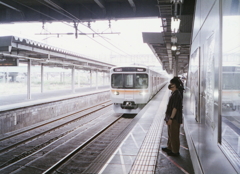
[[17, 101]]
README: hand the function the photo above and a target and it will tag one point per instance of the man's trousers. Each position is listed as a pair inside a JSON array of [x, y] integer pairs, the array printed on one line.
[[173, 136]]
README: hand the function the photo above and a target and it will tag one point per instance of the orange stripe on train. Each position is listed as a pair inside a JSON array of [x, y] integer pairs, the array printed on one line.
[[129, 91]]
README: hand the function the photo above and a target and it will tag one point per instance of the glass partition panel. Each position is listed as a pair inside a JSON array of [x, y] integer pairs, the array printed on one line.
[[82, 78], [36, 79], [77, 79], [94, 78], [230, 80], [57, 78], [13, 80]]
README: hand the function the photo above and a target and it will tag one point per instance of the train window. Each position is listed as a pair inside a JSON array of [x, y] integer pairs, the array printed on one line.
[[141, 81], [128, 80], [133, 81], [117, 81]]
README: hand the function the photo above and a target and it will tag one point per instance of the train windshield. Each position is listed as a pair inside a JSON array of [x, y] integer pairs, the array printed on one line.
[[133, 81], [231, 81], [141, 81], [117, 81], [128, 80]]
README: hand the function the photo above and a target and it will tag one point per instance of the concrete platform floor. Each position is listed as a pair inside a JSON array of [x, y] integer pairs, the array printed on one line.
[[21, 98], [174, 165]]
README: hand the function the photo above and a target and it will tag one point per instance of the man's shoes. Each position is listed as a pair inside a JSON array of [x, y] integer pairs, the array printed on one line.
[[173, 154], [165, 149]]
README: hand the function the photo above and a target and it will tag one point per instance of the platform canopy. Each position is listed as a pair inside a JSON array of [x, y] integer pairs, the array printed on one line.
[[166, 56], [24, 49], [77, 11]]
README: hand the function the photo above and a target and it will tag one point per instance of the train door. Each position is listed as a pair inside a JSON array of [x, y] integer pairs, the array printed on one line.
[[152, 85], [128, 87]]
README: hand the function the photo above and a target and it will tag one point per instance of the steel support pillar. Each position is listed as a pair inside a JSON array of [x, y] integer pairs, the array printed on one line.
[[176, 66], [6, 78], [42, 82], [29, 79], [103, 73], [97, 79], [73, 79], [90, 78], [78, 77]]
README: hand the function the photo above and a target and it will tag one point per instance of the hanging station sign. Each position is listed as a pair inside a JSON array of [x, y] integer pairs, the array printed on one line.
[[8, 62]]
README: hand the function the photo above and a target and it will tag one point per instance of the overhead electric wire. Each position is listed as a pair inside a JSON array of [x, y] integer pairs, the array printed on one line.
[[70, 26], [49, 6], [78, 20]]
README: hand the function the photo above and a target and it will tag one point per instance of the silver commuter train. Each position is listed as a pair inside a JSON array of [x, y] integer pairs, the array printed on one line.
[[133, 86]]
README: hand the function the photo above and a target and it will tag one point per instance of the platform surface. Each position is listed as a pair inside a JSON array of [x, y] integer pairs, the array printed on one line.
[[140, 151], [17, 101]]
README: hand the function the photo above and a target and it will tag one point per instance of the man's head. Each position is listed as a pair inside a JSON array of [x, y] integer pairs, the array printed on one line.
[[174, 84], [172, 87]]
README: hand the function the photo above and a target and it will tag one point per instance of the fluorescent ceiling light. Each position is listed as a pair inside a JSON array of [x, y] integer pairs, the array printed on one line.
[[175, 23], [176, 1]]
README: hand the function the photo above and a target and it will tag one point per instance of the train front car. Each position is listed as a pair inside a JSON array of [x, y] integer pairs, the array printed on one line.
[[129, 89], [132, 87]]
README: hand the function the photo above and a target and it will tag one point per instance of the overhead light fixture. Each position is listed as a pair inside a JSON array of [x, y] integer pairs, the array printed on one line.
[[174, 39], [176, 1], [175, 23], [178, 52], [165, 29], [168, 45], [164, 22], [174, 48]]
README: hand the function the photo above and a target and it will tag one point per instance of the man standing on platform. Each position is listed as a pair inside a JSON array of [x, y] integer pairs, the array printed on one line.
[[173, 119]]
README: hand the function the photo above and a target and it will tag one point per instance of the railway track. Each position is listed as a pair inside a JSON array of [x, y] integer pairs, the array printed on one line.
[[81, 158], [89, 109], [63, 136]]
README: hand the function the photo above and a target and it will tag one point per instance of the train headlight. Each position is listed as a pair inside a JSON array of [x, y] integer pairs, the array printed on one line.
[[143, 93], [116, 93]]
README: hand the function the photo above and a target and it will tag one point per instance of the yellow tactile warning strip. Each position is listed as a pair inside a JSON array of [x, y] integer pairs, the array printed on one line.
[[146, 159], [123, 158]]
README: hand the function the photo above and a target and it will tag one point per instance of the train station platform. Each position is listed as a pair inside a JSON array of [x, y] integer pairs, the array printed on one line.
[[18, 101], [18, 112], [140, 150]]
